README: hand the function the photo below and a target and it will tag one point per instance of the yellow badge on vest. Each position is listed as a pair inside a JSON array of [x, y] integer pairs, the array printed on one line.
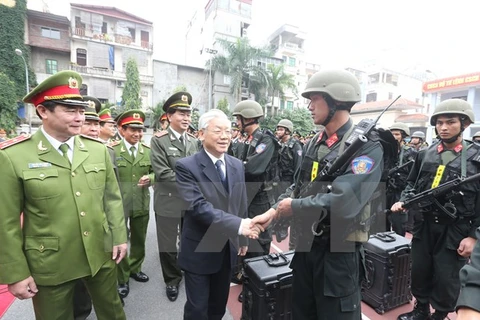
[[314, 170], [438, 176]]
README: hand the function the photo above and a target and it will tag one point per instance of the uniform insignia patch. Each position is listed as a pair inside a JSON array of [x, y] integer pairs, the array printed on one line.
[[362, 165], [299, 152], [39, 165], [260, 148], [161, 133], [10, 142]]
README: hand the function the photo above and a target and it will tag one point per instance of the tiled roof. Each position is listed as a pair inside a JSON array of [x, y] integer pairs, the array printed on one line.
[[400, 104], [111, 12], [414, 117]]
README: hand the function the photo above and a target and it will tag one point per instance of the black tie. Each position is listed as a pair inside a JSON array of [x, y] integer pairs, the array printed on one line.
[[181, 140], [218, 164]]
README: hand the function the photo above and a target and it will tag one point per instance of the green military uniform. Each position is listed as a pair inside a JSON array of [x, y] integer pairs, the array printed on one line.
[[71, 214], [136, 200], [166, 150]]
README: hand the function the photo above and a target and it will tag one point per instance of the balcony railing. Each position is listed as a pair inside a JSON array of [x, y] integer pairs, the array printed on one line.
[[117, 38], [109, 74]]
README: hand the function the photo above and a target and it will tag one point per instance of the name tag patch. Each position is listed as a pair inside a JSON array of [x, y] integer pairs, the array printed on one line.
[[39, 165], [362, 165]]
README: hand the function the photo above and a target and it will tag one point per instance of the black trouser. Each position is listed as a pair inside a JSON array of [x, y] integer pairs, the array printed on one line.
[[436, 264], [326, 285]]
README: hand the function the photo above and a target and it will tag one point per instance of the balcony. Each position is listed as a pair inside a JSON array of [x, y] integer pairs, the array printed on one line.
[[116, 38], [108, 74]]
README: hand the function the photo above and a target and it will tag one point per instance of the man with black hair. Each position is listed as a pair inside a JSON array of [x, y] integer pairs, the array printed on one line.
[[442, 243]]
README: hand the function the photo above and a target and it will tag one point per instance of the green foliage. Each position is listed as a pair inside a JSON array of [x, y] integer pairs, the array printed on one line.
[[195, 117], [12, 33], [239, 64], [8, 104], [279, 81], [155, 114], [224, 106], [301, 118], [131, 93]]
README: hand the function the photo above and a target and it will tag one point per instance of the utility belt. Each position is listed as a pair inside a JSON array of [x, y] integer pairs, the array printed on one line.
[[440, 218]]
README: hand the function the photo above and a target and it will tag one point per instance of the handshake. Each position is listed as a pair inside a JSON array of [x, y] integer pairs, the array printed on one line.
[[251, 228]]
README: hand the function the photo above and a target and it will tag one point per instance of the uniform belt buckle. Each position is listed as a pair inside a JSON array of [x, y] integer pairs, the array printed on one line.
[[314, 229]]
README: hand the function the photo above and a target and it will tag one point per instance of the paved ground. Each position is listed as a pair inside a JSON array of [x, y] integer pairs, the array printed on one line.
[[146, 301]]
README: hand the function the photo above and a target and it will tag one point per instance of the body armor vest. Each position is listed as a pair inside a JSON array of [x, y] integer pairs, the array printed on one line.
[[465, 200]]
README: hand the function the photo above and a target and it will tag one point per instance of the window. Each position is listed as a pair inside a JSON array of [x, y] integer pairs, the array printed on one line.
[[81, 57], [371, 97], [104, 28], [51, 66], [282, 104], [132, 33], [284, 58], [392, 79], [50, 33], [289, 105], [374, 78], [291, 61]]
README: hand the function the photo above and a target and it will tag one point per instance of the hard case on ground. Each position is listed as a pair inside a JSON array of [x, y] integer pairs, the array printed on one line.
[[387, 259], [267, 288]]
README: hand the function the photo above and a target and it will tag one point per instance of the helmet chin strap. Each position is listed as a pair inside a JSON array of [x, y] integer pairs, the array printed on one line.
[[455, 137], [332, 108], [246, 125]]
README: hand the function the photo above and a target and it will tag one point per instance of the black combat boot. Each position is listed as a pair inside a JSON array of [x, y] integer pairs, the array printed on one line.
[[421, 311], [438, 315]]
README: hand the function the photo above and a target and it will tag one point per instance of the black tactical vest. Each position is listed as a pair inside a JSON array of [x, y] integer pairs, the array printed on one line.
[[465, 200]]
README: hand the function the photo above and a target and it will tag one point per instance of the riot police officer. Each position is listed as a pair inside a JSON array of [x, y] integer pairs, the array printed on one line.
[[397, 179], [417, 141], [289, 158], [476, 137], [327, 261], [443, 242], [259, 154]]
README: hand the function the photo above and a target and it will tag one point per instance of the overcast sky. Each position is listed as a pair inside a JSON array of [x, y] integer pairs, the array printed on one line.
[[425, 34]]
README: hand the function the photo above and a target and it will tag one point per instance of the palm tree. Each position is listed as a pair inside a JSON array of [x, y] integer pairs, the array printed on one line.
[[279, 81], [239, 63]]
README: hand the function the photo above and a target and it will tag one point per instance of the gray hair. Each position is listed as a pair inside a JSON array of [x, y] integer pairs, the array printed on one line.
[[209, 116]]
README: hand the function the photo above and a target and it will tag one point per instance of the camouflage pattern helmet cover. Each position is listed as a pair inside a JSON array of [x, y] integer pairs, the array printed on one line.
[[453, 106], [339, 84], [248, 109], [400, 126], [286, 124]]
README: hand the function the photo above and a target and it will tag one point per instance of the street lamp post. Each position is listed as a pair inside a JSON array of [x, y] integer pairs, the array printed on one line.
[[27, 109], [212, 52]]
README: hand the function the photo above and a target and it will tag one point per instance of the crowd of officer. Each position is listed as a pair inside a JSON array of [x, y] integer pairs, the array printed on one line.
[[290, 184]]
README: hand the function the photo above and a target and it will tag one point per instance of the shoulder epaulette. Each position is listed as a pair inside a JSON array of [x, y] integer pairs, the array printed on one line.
[[161, 133], [115, 143], [145, 145], [90, 138], [191, 135], [10, 142]]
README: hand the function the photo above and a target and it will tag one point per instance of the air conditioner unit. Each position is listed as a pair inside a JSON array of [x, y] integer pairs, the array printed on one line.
[[120, 84]]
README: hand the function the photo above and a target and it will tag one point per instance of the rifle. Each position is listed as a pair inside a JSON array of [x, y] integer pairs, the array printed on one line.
[[392, 174], [429, 197], [355, 141]]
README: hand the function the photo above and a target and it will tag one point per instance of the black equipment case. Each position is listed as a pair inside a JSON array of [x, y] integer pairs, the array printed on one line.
[[387, 259], [267, 287]]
